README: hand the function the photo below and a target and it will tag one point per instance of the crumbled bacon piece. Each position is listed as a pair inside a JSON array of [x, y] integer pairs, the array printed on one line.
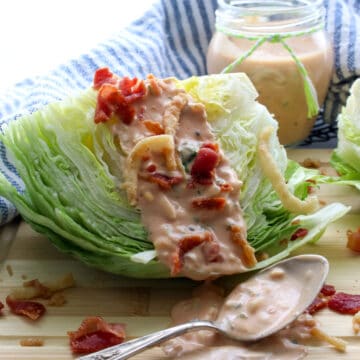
[[344, 303], [210, 145], [32, 342], [215, 203], [311, 163], [226, 187], [186, 244], [151, 168], [102, 76], [31, 309], [1, 307], [132, 89], [320, 302], [206, 160], [115, 96], [110, 101], [154, 127], [165, 182], [299, 233], [41, 290], [353, 238], [95, 334], [328, 290]]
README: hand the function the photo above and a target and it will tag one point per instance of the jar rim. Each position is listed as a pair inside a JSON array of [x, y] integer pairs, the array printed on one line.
[[298, 14], [266, 6]]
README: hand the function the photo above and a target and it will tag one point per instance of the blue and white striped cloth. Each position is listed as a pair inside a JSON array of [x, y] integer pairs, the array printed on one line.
[[171, 39]]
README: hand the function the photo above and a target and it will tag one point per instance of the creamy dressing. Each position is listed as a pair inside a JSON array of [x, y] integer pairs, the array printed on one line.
[[261, 303], [192, 239], [251, 308], [275, 76]]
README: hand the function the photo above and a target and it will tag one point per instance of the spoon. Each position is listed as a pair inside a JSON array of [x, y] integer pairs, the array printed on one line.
[[304, 275]]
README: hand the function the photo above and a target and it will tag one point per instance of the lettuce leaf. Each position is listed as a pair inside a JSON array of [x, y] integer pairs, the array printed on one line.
[[346, 157], [72, 176]]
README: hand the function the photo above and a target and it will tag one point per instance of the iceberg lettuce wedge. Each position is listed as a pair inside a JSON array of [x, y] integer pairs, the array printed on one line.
[[346, 157], [72, 179]]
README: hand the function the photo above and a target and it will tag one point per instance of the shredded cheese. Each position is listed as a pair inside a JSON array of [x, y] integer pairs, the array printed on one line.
[[163, 144], [272, 172]]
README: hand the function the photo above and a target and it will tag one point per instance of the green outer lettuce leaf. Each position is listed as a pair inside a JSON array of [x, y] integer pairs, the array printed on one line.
[[71, 171]]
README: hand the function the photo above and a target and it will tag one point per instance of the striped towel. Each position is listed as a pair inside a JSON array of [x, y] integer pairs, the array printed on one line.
[[171, 39]]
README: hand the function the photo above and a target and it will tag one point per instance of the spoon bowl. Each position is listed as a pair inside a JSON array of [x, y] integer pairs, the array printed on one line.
[[278, 294]]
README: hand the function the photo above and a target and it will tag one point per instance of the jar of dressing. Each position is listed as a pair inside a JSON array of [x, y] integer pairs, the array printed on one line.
[[283, 48]]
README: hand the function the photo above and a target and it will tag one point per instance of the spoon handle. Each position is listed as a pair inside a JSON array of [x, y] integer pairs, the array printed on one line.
[[132, 347]]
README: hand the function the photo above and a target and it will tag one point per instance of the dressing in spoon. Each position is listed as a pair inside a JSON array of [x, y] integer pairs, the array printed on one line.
[[256, 308]]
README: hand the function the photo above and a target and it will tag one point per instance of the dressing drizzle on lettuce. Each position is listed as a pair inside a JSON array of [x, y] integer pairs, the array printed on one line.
[[73, 179]]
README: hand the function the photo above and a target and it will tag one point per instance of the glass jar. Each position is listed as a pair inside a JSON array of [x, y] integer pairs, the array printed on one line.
[[283, 48]]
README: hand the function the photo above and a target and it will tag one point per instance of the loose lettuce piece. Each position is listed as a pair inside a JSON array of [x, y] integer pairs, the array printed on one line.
[[72, 177], [346, 157]]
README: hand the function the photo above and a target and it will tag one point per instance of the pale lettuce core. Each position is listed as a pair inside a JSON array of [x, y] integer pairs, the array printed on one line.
[[72, 179]]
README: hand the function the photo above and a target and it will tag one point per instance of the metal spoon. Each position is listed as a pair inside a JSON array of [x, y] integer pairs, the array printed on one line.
[[298, 266]]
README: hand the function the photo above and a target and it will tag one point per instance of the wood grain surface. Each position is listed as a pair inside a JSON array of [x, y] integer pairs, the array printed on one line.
[[143, 305]]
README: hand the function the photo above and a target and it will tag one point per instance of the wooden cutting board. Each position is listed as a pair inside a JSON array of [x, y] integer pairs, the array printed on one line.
[[142, 305]]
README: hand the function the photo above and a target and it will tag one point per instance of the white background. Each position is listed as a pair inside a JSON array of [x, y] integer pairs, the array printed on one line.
[[38, 35]]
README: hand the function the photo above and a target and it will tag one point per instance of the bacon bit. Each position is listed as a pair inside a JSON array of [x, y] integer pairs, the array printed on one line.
[[353, 238], [40, 289], [328, 290], [202, 170], [32, 342], [248, 253], [111, 101], [210, 145], [132, 89], [35, 289], [283, 242], [260, 256], [1, 307], [226, 187], [299, 233], [154, 127], [344, 303], [311, 189], [211, 251], [9, 270], [311, 163], [318, 303], [151, 168], [215, 203], [95, 334], [165, 182], [186, 244], [31, 309], [102, 76], [115, 96]]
